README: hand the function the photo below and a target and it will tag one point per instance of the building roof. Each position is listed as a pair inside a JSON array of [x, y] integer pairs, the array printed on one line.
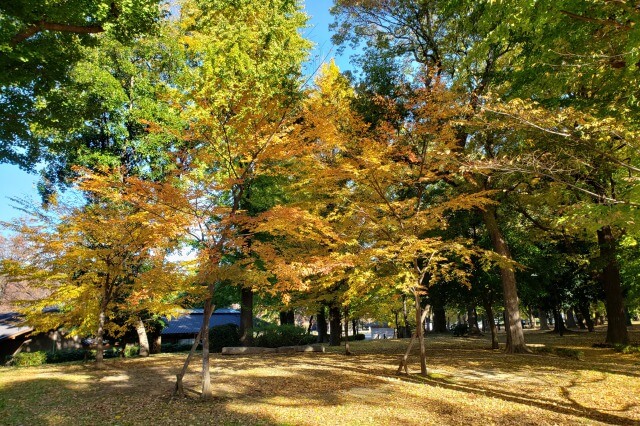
[[12, 325], [192, 321]]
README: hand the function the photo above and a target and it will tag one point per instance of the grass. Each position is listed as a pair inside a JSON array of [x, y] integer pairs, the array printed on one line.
[[467, 383]]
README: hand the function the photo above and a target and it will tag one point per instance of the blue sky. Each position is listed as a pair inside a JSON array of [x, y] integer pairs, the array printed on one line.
[[15, 183]]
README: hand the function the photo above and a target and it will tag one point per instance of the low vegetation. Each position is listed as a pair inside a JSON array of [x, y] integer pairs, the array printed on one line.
[[466, 383]]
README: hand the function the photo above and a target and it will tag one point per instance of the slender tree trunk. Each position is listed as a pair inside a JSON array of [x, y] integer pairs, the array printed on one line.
[[354, 327], [544, 321], [627, 316], [492, 324], [334, 326], [156, 347], [616, 325], [322, 325], [142, 338], [100, 337], [404, 360], [179, 389], [246, 316], [287, 317], [420, 334], [532, 320], [571, 319], [346, 332], [398, 332], [206, 371], [515, 336], [310, 324], [580, 319]]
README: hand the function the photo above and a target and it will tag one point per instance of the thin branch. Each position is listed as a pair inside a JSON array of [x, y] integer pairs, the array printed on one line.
[[42, 25]]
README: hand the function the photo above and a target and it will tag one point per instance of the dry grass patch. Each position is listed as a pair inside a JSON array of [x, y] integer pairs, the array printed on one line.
[[466, 383]]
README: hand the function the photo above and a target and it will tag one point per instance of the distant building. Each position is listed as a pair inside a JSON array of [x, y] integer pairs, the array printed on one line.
[[184, 329]]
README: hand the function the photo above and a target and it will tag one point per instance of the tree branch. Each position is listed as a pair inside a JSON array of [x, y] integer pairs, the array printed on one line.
[[54, 26]]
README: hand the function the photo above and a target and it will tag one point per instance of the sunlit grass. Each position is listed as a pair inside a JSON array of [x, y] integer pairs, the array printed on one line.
[[466, 383]]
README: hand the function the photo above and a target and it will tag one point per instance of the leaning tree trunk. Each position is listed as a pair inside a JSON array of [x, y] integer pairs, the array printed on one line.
[[513, 325], [616, 326], [142, 338], [246, 316], [335, 324], [558, 322], [583, 307], [472, 319], [206, 372]]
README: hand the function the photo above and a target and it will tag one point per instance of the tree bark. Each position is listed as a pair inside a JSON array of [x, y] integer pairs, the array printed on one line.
[[179, 389], [571, 319], [439, 319], [354, 327], [492, 324], [406, 329], [616, 325], [142, 338], [246, 316], [584, 310], [544, 321], [346, 332], [404, 360], [335, 324], [287, 317], [100, 337], [558, 322], [206, 372], [580, 319], [472, 319], [515, 336], [420, 334], [322, 325]]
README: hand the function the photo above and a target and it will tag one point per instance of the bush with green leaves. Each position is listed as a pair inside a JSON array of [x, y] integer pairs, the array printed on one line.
[[222, 336], [175, 347], [67, 355], [274, 336], [29, 359]]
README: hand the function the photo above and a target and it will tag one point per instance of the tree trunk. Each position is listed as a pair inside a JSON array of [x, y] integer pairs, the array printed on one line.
[[142, 338], [406, 329], [246, 316], [616, 325], [335, 324], [558, 322], [397, 331], [346, 332], [584, 310], [310, 324], [492, 324], [439, 319], [580, 319], [156, 347], [179, 389], [472, 316], [571, 319], [287, 317], [322, 325], [515, 336], [544, 321], [420, 334], [404, 360], [100, 337], [206, 372], [354, 327]]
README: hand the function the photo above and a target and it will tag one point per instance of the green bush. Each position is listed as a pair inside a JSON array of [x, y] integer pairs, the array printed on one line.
[[131, 351], [67, 355], [358, 336], [274, 336], [175, 347], [29, 359], [224, 335], [627, 349]]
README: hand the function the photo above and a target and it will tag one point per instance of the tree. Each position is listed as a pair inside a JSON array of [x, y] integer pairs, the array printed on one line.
[[89, 259], [42, 42]]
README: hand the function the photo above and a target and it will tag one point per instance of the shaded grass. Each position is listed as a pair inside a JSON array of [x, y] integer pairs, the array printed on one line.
[[467, 382]]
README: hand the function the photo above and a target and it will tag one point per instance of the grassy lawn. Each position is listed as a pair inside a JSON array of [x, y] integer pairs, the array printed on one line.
[[467, 383]]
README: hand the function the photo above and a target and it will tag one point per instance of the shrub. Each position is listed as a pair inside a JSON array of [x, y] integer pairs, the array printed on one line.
[[627, 349], [67, 355], [274, 336], [460, 330], [223, 335], [29, 359], [175, 347], [131, 351], [358, 336]]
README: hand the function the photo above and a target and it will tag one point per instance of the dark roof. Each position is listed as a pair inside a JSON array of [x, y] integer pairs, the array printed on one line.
[[12, 325], [192, 321]]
